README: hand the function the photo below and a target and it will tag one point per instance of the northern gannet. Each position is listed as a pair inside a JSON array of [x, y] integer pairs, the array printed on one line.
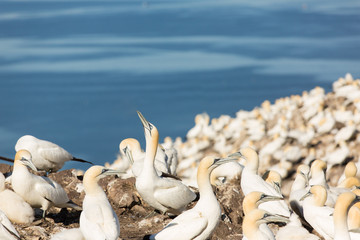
[[343, 203], [7, 230], [39, 192], [274, 179], [299, 188], [316, 214], [251, 181], [130, 147], [254, 219], [252, 201], [294, 231], [67, 234], [98, 220], [199, 222], [14, 206], [46, 155], [163, 193]]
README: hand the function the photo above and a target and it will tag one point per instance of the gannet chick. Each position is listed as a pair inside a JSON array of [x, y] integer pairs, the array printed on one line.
[[15, 208], [316, 214], [7, 230], [251, 181], [294, 231], [39, 192], [254, 219], [163, 193], [67, 234], [274, 179], [46, 155], [343, 203], [200, 221], [98, 220], [299, 188]]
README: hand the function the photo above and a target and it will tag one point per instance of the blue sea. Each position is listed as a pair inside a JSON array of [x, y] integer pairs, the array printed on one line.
[[75, 72]]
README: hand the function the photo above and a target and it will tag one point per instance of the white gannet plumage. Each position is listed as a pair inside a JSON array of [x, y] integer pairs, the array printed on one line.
[[98, 220], [163, 193], [39, 192], [7, 230]]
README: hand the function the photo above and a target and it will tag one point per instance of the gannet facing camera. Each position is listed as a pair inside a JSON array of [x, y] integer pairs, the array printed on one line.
[[199, 222], [98, 220], [15, 208], [165, 194], [46, 155], [39, 192]]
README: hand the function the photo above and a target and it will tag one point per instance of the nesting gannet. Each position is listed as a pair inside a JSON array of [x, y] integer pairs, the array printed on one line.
[[46, 155], [163, 193], [199, 222], [349, 171], [226, 172], [67, 234], [294, 231], [98, 220], [39, 192], [252, 201], [299, 188], [251, 181], [7, 230], [15, 208], [343, 203], [254, 219], [316, 214]]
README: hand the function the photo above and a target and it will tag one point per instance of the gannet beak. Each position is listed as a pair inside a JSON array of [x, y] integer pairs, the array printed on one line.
[[29, 163], [144, 122], [275, 218], [236, 155], [305, 196], [306, 178], [108, 172], [220, 161], [267, 198], [128, 154]]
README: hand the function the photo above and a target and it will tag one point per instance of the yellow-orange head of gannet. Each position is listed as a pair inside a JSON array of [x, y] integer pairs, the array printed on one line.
[[129, 146], [318, 173], [98, 220], [274, 179], [254, 199], [319, 195], [251, 157], [253, 220], [350, 170], [343, 203]]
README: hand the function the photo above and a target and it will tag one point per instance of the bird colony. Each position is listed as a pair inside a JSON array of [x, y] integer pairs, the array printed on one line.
[[287, 170]]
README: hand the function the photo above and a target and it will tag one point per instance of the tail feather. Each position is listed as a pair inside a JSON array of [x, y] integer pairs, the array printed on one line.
[[81, 160]]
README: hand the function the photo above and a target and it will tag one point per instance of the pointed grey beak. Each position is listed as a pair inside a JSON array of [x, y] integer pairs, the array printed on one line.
[[128, 154], [306, 178], [267, 198], [305, 196], [108, 172], [220, 161], [276, 218], [144, 122], [28, 163], [236, 155]]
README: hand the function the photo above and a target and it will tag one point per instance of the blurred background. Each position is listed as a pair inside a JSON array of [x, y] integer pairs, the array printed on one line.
[[75, 72]]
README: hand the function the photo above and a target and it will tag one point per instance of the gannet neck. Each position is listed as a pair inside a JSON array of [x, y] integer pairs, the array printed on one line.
[[319, 195], [90, 181], [152, 140], [252, 159], [250, 202], [342, 205], [203, 179], [350, 170]]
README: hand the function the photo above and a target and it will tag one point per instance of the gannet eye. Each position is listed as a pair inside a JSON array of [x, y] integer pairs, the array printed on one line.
[[103, 170], [151, 127], [266, 215], [262, 196]]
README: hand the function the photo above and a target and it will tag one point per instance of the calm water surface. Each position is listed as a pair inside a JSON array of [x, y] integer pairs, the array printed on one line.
[[75, 72]]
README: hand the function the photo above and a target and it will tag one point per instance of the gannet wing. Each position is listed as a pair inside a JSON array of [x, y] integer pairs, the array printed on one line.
[[7, 230], [173, 194], [51, 190], [188, 225], [53, 153]]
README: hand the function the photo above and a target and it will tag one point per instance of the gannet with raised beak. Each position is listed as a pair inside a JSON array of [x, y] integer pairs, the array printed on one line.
[[46, 156], [39, 192], [254, 219], [7, 230], [162, 193], [98, 220], [199, 222], [14, 206]]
